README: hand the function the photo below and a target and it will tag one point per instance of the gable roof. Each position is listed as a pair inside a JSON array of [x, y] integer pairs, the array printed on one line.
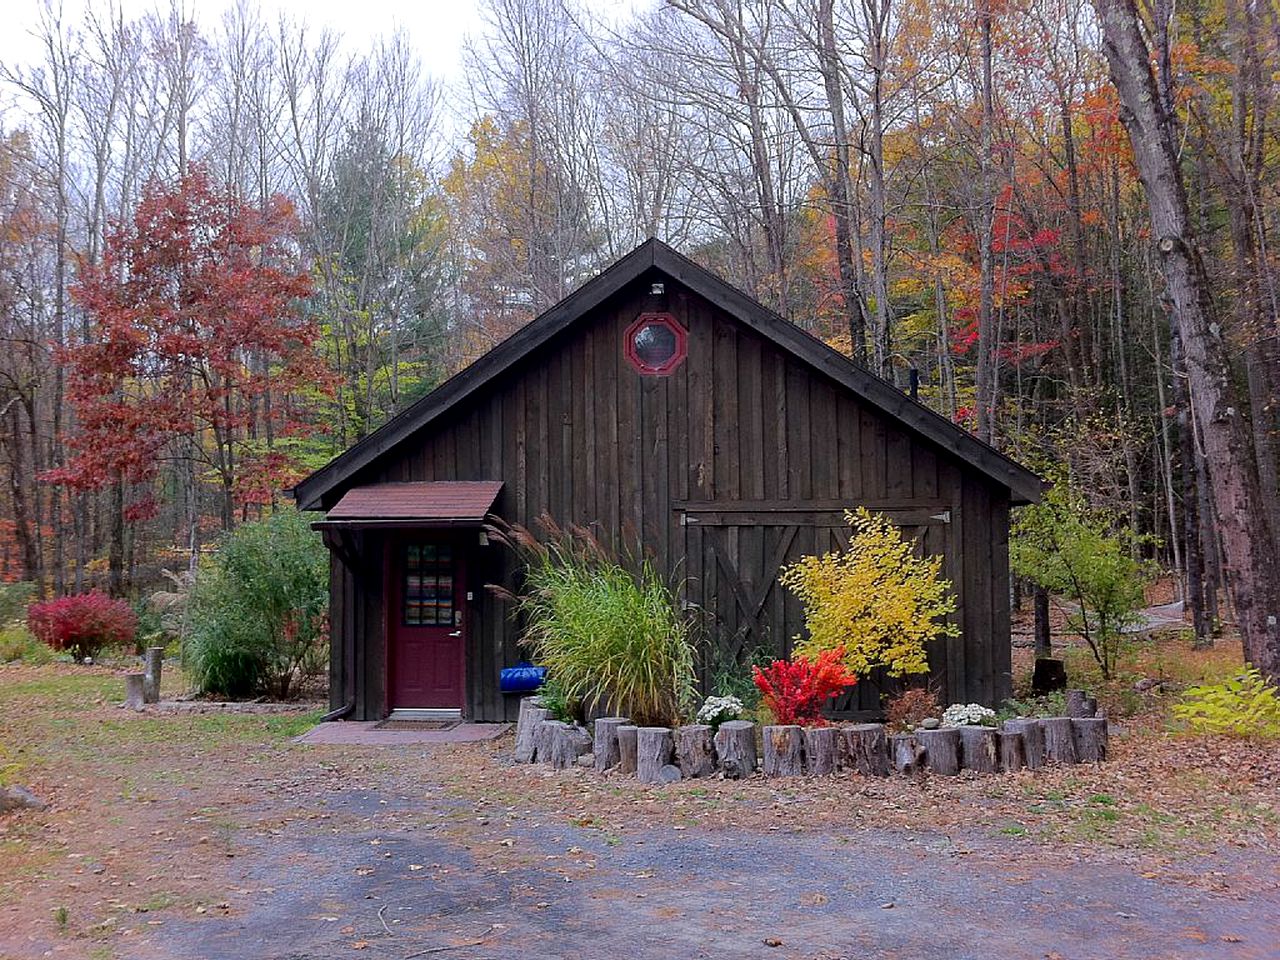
[[1024, 486]]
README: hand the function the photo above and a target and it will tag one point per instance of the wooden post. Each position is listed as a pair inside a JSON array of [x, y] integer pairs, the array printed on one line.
[[1059, 740], [568, 743], [532, 713], [978, 749], [627, 748], [695, 753], [783, 751], [821, 745], [736, 747], [134, 697], [1032, 731], [543, 735], [1012, 753], [941, 750], [653, 752], [864, 747], [607, 751], [1090, 736], [907, 753], [151, 678]]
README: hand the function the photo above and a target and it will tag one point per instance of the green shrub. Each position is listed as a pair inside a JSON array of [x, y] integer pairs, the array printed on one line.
[[258, 614], [14, 598], [607, 636], [1243, 706], [18, 643]]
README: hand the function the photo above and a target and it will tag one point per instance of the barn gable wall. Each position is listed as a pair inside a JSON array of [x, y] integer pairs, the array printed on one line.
[[740, 459]]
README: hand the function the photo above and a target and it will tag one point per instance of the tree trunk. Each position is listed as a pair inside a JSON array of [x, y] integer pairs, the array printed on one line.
[[151, 685], [907, 753], [1013, 756], [820, 750], [1032, 732], [532, 713], [654, 748], [1251, 554], [134, 697], [695, 753], [627, 748], [1044, 640], [864, 747], [1090, 736], [606, 741], [978, 749], [735, 743], [542, 737], [941, 750], [783, 751], [1059, 740], [567, 743]]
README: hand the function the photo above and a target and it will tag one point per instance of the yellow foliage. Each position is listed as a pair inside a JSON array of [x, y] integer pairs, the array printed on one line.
[[878, 601], [1244, 706]]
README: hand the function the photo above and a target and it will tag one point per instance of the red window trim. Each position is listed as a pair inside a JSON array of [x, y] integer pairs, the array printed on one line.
[[660, 319]]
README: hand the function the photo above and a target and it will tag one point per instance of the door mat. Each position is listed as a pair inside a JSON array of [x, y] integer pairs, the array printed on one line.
[[413, 726]]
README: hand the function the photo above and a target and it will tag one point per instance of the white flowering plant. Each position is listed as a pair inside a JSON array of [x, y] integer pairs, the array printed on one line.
[[719, 709], [968, 715]]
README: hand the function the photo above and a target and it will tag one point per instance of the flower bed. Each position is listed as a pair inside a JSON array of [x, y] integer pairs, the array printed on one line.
[[738, 748]]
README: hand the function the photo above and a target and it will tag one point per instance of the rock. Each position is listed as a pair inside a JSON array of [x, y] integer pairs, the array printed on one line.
[[669, 774], [19, 798], [930, 723], [587, 760]]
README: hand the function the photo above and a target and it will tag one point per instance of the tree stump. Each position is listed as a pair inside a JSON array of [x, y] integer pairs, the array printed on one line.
[[1080, 704], [567, 744], [654, 749], [941, 750], [134, 694], [864, 747], [783, 751], [607, 751], [627, 748], [907, 753], [151, 678], [821, 745], [1049, 675], [542, 736], [1090, 736], [1013, 755], [532, 713], [1059, 740], [735, 743], [695, 753], [978, 749], [1032, 731]]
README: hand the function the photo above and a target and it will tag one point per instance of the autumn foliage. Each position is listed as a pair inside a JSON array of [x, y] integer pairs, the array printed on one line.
[[82, 624], [796, 690]]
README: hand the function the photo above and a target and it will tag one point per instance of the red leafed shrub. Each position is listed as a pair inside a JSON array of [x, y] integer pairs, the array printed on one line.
[[83, 624], [796, 690]]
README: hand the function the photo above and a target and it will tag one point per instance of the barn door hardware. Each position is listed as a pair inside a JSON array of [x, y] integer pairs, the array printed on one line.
[[944, 516]]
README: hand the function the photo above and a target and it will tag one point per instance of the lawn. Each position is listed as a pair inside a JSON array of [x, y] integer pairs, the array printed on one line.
[[152, 817]]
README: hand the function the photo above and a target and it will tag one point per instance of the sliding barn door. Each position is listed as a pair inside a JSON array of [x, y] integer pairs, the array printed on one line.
[[734, 559]]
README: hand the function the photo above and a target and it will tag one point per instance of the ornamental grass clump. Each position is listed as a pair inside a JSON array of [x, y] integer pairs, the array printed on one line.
[[796, 690], [610, 636], [877, 602]]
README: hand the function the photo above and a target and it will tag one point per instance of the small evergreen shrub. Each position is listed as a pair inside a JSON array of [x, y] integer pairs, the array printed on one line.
[[259, 611], [1243, 706], [796, 690], [82, 624]]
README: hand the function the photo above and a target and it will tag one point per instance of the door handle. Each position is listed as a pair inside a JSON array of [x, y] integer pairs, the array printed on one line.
[[456, 633]]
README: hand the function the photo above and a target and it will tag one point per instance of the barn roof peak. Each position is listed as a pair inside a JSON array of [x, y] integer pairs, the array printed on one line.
[[653, 254]]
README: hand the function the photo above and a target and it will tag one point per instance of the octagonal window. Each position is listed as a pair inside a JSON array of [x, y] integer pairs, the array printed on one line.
[[655, 343]]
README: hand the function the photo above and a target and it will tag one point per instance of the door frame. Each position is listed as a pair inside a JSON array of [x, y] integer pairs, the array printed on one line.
[[391, 599]]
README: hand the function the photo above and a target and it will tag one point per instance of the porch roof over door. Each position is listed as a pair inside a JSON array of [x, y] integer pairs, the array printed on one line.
[[441, 503]]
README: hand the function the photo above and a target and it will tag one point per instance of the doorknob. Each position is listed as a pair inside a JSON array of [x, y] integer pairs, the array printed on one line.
[[456, 633]]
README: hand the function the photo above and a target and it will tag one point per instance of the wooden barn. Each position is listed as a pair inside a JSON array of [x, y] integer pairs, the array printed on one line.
[[659, 401]]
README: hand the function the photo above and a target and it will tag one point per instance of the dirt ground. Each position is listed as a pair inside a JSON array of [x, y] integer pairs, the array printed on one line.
[[217, 836]]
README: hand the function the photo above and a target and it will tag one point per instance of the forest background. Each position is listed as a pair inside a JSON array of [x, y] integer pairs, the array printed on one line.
[[230, 249]]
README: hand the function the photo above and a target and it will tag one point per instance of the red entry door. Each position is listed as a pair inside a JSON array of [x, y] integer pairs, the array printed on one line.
[[427, 625]]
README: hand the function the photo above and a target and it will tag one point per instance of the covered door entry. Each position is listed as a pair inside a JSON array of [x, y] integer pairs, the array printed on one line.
[[426, 625]]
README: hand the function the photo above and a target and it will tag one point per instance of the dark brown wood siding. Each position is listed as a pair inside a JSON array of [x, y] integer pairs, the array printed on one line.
[[740, 460]]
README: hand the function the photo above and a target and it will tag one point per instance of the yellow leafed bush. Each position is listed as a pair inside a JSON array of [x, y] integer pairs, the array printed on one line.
[[877, 601], [1244, 706]]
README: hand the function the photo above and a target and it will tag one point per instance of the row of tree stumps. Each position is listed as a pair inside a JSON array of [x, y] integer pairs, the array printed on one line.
[[665, 755]]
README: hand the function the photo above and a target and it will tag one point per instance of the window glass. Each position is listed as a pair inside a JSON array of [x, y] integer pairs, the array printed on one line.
[[654, 345], [428, 585]]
